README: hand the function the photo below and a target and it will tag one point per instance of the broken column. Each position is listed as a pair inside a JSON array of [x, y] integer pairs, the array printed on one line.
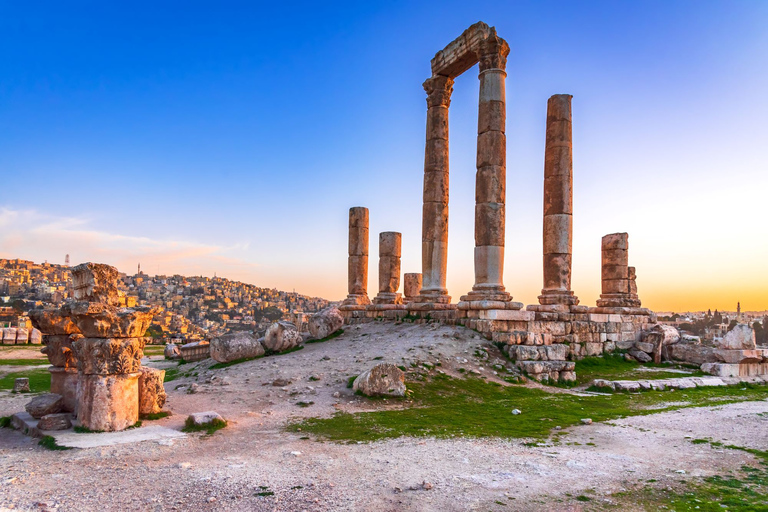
[[618, 278], [389, 268], [434, 235], [59, 334], [109, 355], [357, 277], [491, 180], [411, 286], [558, 203]]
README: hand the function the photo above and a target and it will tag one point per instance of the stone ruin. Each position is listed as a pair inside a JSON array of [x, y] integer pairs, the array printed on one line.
[[95, 349], [543, 338]]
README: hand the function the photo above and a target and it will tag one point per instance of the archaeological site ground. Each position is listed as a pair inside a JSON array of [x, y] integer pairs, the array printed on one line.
[[393, 401]]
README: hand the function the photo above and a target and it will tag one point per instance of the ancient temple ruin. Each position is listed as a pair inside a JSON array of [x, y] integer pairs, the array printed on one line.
[[543, 338]]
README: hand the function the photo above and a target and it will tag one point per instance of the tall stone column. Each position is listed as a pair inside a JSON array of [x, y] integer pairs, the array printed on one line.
[[389, 268], [357, 277], [618, 278], [491, 180], [558, 203], [434, 237]]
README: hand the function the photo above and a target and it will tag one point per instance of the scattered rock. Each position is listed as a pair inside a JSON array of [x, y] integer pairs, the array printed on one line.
[[172, 351], [516, 411], [49, 403], [282, 336], [280, 382], [21, 385], [741, 337], [193, 388], [640, 356], [184, 465], [58, 421], [325, 322], [382, 380], [199, 419], [586, 421], [232, 347]]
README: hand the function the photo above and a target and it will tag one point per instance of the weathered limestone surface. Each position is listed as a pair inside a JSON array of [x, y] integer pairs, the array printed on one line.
[[741, 337], [389, 268], [151, 391], [108, 402], [49, 403], [200, 419], [195, 351], [411, 286], [282, 336], [95, 282], [381, 380], [99, 320], [232, 347], [64, 383], [58, 421], [325, 322], [52, 322], [58, 348], [357, 285], [618, 278], [558, 203], [105, 356], [171, 351], [9, 336], [22, 336]]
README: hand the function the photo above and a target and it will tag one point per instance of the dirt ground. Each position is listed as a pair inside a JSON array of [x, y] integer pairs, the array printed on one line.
[[253, 464]]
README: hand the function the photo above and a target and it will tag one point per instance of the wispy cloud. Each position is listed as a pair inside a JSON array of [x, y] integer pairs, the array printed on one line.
[[35, 235]]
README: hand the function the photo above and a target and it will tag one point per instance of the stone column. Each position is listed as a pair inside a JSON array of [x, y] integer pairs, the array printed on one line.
[[389, 268], [491, 180], [357, 278], [619, 289], [434, 236], [411, 286], [558, 203]]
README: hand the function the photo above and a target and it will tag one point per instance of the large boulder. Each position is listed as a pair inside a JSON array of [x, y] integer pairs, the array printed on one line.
[[172, 351], [232, 347], [381, 380], [659, 337], [49, 403], [151, 391], [325, 322], [741, 337], [282, 336]]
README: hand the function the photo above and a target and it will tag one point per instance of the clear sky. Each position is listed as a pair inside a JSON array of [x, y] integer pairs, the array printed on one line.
[[232, 137]]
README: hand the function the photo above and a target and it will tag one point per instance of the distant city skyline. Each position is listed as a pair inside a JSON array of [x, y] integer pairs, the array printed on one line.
[[232, 141]]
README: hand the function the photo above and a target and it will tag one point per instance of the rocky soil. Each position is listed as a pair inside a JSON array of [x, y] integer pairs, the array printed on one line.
[[253, 464]]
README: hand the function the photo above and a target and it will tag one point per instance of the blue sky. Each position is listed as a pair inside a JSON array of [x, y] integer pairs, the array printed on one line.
[[233, 138]]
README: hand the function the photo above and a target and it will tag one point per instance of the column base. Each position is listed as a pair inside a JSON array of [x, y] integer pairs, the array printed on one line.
[[551, 297], [482, 292], [618, 300], [433, 298], [356, 300], [388, 298]]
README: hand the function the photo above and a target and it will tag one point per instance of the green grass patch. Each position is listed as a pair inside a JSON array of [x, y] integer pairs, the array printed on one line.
[[615, 367], [236, 361], [154, 350], [5, 422], [39, 380], [444, 407], [305, 404], [155, 416], [273, 353], [351, 381], [171, 374], [329, 337], [209, 428], [49, 442], [24, 362]]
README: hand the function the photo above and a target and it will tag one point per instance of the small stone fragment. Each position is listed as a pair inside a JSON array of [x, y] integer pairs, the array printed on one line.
[[58, 421], [21, 385], [516, 411], [200, 419], [586, 421]]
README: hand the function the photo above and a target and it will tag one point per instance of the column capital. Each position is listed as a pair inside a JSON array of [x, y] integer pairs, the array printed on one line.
[[493, 53], [439, 89]]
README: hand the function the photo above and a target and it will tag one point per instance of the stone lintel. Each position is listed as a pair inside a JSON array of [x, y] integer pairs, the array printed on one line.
[[462, 53]]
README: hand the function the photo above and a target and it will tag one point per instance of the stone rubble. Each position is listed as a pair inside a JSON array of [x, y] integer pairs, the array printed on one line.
[[49, 403], [325, 322], [381, 380], [231, 347], [21, 385], [282, 336]]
